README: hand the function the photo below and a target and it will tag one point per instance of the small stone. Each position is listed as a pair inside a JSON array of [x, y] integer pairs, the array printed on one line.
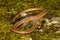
[[24, 14]]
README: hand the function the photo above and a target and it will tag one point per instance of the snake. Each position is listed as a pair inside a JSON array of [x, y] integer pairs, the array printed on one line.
[[28, 19]]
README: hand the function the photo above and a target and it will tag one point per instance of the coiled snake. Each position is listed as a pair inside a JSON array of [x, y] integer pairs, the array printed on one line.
[[28, 19]]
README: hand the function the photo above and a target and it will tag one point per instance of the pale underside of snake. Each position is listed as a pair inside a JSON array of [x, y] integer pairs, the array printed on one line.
[[28, 19]]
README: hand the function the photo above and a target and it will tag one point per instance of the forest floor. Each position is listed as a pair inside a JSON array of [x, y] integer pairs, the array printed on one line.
[[10, 8]]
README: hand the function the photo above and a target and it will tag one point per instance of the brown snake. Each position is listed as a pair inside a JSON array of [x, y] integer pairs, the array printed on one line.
[[28, 19]]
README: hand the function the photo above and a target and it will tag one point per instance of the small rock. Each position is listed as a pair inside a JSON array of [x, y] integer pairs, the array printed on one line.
[[23, 14]]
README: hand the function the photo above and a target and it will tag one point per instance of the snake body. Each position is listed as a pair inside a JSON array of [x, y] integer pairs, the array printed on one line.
[[28, 19]]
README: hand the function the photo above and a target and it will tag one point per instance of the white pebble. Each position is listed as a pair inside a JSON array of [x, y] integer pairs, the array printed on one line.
[[24, 14]]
